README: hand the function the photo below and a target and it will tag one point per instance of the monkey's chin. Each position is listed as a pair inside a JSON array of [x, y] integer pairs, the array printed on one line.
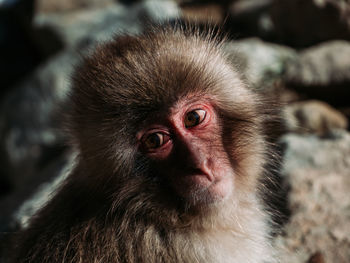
[[203, 192]]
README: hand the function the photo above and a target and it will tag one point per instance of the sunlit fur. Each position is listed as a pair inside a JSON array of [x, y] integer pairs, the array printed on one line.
[[114, 207]]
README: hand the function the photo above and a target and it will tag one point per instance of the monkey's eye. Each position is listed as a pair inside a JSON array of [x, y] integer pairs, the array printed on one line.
[[155, 140], [194, 118]]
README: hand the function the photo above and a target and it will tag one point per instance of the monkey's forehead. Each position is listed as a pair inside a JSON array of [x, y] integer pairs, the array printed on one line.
[[155, 67], [141, 75]]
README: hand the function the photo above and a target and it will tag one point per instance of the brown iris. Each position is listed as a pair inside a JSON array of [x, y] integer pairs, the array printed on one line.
[[194, 118], [155, 140]]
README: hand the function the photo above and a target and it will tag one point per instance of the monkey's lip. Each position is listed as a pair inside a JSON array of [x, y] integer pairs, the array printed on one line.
[[203, 179], [200, 173], [217, 187]]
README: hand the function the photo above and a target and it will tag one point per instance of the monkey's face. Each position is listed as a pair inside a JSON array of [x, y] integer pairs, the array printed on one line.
[[170, 114], [185, 146]]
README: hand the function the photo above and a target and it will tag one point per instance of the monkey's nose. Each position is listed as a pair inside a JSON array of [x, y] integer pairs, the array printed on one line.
[[199, 165]]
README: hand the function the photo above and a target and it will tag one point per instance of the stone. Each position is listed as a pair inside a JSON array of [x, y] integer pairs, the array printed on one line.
[[313, 116], [52, 6], [303, 23], [212, 13], [321, 65], [322, 72], [296, 23], [318, 172], [29, 132], [84, 27], [261, 62]]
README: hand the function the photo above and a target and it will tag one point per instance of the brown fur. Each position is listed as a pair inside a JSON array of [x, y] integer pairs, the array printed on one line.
[[113, 208]]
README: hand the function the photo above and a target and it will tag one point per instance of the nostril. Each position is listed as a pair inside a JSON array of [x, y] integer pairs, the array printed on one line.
[[201, 172], [194, 171]]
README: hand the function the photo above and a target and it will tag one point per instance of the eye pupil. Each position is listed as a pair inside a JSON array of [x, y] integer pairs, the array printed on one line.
[[154, 140], [194, 118]]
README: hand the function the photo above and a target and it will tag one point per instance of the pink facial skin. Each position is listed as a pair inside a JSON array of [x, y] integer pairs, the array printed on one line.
[[187, 147]]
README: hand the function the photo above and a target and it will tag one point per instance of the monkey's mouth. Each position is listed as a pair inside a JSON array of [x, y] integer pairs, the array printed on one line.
[[200, 179], [201, 176], [208, 187]]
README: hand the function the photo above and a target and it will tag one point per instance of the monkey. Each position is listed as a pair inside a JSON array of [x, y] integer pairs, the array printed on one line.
[[174, 151]]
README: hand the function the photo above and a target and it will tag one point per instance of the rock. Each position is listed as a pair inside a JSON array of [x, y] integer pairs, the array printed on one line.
[[196, 2], [322, 72], [296, 23], [302, 23], [43, 193], [29, 122], [262, 63], [157, 11], [52, 6], [84, 27], [17, 208], [286, 96], [250, 18], [313, 117], [318, 172], [321, 65], [206, 13]]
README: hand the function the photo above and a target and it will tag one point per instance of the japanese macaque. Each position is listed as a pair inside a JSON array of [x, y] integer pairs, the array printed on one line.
[[173, 156]]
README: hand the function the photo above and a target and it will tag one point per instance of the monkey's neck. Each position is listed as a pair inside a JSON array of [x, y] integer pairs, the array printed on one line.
[[236, 235], [138, 227]]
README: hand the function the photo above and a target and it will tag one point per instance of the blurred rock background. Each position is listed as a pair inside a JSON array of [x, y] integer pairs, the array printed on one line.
[[296, 50]]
